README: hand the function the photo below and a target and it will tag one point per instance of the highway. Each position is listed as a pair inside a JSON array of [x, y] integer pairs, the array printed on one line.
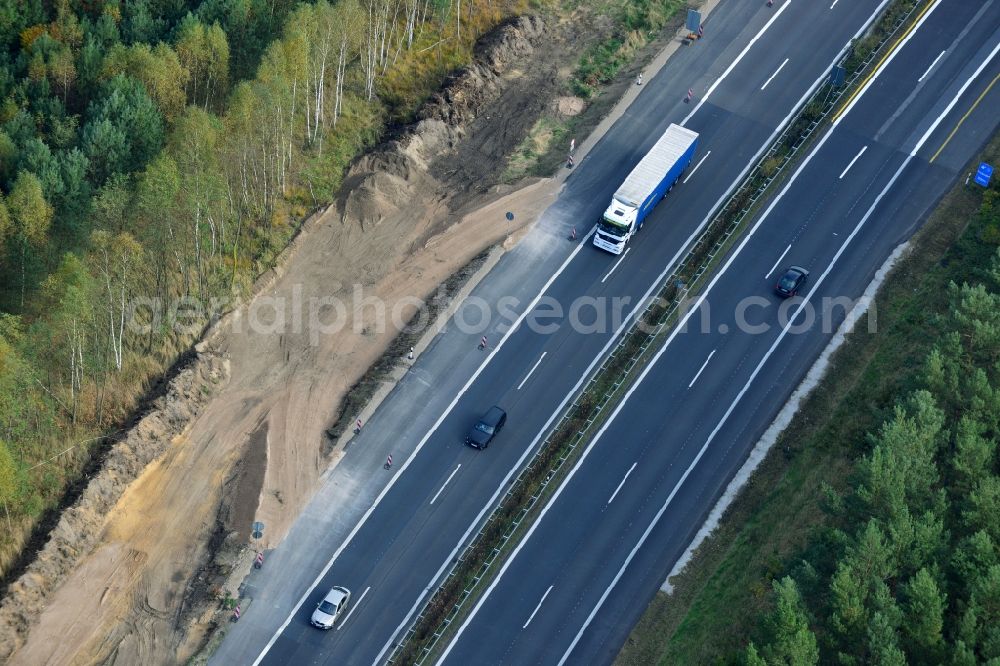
[[701, 406], [859, 195]]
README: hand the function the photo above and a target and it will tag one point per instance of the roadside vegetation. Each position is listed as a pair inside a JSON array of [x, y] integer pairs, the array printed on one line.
[[164, 154], [636, 23], [870, 534], [633, 30]]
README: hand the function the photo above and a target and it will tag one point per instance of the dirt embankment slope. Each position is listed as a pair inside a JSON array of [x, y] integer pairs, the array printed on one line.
[[240, 436]]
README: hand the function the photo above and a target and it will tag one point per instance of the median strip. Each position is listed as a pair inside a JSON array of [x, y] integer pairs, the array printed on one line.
[[534, 484]]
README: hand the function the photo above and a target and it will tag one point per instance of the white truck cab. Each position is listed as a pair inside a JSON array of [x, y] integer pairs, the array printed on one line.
[[616, 226]]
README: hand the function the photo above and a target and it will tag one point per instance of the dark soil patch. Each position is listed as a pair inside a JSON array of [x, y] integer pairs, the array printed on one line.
[[201, 588], [480, 157], [242, 504], [236, 513], [598, 108]]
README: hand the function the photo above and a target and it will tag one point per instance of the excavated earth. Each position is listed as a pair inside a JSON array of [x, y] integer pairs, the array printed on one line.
[[134, 569]]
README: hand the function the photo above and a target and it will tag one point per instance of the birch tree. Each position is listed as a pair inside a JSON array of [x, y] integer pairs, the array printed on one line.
[[255, 131], [204, 52], [8, 481], [373, 46], [296, 47], [66, 299], [194, 148], [217, 69], [158, 195], [62, 70], [158, 69], [346, 19], [241, 163], [30, 215], [333, 41], [411, 21], [117, 259], [5, 224]]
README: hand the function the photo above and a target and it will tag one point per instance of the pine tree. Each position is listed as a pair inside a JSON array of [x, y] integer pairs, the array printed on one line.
[[924, 607], [883, 642], [790, 641]]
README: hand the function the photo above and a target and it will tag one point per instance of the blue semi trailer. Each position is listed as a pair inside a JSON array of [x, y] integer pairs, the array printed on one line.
[[650, 180]]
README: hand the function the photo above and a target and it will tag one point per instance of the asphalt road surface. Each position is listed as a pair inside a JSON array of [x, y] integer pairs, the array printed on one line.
[[716, 386], [686, 428]]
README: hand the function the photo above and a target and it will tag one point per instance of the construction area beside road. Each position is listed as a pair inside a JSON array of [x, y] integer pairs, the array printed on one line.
[[135, 570]]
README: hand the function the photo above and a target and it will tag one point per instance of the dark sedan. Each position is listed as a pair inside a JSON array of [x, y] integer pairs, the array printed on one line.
[[487, 428], [790, 283]]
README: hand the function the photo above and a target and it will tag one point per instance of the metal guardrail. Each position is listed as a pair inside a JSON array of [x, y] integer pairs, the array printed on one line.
[[830, 96]]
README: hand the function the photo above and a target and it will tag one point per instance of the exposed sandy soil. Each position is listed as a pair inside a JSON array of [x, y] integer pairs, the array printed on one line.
[[132, 570], [124, 599], [256, 448]]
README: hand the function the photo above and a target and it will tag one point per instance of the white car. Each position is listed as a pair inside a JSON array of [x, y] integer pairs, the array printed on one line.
[[331, 608]]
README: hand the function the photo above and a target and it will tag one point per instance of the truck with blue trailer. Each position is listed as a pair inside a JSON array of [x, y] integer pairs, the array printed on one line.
[[651, 179]]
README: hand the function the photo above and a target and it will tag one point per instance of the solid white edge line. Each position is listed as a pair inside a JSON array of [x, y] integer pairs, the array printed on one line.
[[704, 222], [532, 616], [445, 484], [851, 163], [353, 607], [691, 173], [702, 368], [628, 394], [600, 355], [548, 283], [954, 100], [615, 494], [566, 262], [638, 309], [620, 260], [531, 371], [778, 261], [725, 416], [931, 66], [776, 72], [449, 561]]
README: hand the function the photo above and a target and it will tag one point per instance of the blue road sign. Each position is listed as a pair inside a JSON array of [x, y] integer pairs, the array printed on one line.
[[837, 76], [510, 216], [693, 21], [983, 174]]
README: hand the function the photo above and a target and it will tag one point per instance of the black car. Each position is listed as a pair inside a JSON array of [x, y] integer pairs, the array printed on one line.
[[487, 428], [791, 281]]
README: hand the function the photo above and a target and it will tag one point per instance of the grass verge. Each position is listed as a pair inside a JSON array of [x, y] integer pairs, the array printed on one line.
[[606, 69], [718, 599]]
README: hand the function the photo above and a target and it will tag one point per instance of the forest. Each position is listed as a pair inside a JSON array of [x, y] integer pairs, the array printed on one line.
[[907, 568], [156, 152]]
